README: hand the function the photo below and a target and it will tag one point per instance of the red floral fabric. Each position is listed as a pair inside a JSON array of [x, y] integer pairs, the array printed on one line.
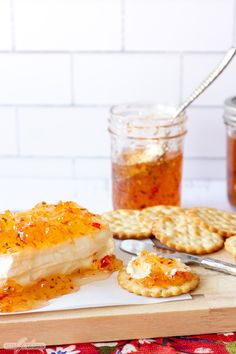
[[224, 343]]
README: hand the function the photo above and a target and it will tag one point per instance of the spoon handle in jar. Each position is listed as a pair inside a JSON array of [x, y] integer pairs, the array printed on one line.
[[207, 82]]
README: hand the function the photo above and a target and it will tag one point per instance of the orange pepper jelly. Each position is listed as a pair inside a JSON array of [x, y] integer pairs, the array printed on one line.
[[147, 183], [230, 122], [16, 298], [231, 168], [164, 272], [147, 153], [45, 225]]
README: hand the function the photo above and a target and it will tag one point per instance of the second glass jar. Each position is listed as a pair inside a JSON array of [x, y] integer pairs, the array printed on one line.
[[147, 155], [230, 121]]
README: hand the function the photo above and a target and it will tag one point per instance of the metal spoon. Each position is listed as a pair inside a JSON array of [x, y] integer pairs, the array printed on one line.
[[207, 82]]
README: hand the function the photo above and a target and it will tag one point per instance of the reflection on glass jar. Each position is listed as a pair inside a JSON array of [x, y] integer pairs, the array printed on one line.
[[230, 121], [147, 155]]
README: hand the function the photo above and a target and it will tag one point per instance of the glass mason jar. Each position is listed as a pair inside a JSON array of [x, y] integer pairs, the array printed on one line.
[[147, 155], [230, 121]]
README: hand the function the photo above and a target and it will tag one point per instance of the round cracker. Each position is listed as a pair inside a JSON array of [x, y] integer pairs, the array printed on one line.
[[184, 234], [150, 214], [130, 284], [230, 245], [220, 221], [126, 224]]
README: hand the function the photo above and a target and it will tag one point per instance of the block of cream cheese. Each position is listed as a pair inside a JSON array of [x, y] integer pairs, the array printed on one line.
[[50, 239]]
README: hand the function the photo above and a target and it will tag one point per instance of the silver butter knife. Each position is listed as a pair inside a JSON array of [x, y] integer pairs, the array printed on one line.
[[135, 247]]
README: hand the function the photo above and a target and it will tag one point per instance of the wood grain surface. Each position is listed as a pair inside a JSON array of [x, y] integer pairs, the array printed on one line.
[[212, 309]]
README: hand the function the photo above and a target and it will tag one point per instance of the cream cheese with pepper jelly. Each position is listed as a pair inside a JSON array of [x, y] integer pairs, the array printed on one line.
[[150, 153], [48, 242], [137, 268], [149, 264]]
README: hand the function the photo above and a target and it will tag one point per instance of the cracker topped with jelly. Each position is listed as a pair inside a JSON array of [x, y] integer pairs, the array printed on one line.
[[156, 276]]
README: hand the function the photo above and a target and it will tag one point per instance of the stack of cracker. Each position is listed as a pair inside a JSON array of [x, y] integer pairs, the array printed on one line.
[[196, 230]]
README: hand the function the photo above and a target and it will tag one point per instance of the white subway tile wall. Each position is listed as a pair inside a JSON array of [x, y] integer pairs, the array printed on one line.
[[64, 62], [31, 79], [5, 25], [24, 193], [68, 25], [112, 78], [8, 131], [196, 67], [45, 168], [206, 133], [64, 131], [180, 25]]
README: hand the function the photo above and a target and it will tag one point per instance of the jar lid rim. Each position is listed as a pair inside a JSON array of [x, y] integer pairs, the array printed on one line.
[[146, 121], [142, 110]]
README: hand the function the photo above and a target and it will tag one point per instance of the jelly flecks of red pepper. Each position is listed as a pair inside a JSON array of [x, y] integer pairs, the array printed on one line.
[[106, 261], [97, 225], [147, 183], [154, 191]]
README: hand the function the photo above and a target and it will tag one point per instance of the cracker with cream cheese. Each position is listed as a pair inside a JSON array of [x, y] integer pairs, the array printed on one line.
[[126, 224], [185, 234], [156, 276]]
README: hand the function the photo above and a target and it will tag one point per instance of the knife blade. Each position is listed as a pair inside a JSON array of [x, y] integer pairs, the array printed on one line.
[[135, 247]]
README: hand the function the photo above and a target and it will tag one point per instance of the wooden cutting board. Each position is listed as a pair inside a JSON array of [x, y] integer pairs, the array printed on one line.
[[212, 309]]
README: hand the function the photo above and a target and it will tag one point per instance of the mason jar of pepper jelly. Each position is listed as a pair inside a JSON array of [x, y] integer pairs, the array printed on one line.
[[230, 121], [147, 155]]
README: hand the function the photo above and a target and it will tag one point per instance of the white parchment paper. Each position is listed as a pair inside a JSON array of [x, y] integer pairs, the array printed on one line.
[[103, 293]]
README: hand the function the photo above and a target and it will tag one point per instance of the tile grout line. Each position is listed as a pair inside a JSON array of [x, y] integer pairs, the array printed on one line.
[[103, 179], [126, 52], [96, 157], [88, 106], [12, 8], [53, 105], [106, 180]]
